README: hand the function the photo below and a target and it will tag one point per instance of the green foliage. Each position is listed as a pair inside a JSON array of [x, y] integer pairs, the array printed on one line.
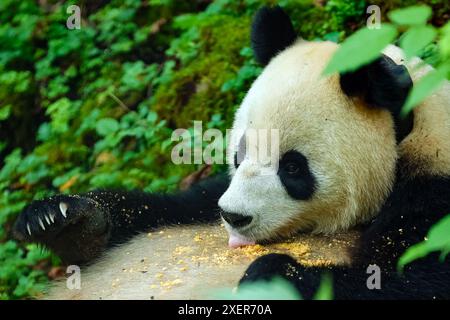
[[107, 126], [17, 277], [366, 45], [411, 16], [438, 239], [325, 291], [275, 289], [415, 39], [426, 86]]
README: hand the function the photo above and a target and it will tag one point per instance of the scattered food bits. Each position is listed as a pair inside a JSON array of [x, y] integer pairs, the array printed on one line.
[[181, 250], [170, 284]]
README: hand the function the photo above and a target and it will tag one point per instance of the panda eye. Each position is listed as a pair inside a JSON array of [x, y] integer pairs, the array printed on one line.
[[295, 175], [292, 168]]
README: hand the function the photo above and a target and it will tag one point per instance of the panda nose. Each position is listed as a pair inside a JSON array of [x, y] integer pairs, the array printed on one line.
[[236, 220]]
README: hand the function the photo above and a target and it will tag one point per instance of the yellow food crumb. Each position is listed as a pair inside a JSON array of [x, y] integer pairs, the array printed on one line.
[[182, 250]]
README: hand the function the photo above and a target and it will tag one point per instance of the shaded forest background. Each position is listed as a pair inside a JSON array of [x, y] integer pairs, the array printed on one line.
[[95, 107]]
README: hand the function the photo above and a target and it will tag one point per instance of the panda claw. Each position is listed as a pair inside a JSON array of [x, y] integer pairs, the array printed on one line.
[[47, 219], [41, 224], [28, 229], [63, 209], [52, 217]]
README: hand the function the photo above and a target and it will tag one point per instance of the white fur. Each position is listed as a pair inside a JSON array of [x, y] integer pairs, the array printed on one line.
[[347, 146]]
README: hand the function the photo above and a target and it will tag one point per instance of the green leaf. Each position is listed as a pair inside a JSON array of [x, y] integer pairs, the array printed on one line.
[[426, 86], [438, 240], [107, 126], [410, 16], [414, 252], [416, 38], [276, 289], [5, 112], [363, 47], [325, 291], [444, 43], [152, 117]]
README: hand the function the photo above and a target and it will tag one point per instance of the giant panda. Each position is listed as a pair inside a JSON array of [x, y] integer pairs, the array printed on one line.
[[347, 161]]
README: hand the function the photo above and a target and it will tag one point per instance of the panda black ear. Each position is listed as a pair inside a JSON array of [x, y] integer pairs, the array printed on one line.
[[382, 84], [272, 32]]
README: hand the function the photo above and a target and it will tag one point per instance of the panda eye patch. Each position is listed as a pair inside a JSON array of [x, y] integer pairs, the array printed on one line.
[[296, 176]]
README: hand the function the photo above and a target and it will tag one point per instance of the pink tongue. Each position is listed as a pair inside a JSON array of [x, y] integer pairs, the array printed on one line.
[[237, 241]]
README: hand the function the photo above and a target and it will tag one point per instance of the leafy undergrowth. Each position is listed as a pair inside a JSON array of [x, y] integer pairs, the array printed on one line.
[[95, 107]]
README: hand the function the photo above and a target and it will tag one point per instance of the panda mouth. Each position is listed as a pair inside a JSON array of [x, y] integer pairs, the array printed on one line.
[[236, 240]]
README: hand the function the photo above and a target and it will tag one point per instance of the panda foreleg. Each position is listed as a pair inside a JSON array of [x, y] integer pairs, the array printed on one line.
[[270, 266], [79, 227], [347, 283], [425, 279]]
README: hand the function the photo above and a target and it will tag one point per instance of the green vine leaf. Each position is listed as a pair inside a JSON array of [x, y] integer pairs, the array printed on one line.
[[438, 240], [416, 38], [363, 47], [107, 126], [426, 86], [411, 16]]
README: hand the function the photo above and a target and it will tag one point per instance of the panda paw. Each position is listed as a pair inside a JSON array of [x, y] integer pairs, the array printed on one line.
[[75, 227], [46, 218], [305, 280]]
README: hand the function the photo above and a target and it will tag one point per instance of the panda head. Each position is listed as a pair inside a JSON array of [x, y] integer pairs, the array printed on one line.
[[337, 138]]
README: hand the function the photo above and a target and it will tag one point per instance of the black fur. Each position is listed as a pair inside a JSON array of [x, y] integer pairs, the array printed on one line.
[[99, 219], [382, 84], [299, 184], [272, 32], [413, 207]]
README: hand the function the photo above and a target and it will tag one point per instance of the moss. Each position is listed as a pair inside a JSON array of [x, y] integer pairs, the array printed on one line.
[[323, 19], [195, 90], [440, 8]]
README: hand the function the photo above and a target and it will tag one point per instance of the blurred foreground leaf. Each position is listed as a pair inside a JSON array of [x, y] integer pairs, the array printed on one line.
[[363, 47], [438, 240], [415, 15]]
